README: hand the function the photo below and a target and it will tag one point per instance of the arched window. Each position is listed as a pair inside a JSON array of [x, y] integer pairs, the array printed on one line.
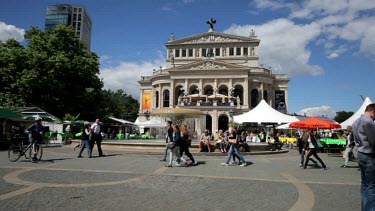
[[254, 98], [209, 92], [224, 91], [157, 99], [265, 95], [166, 98]]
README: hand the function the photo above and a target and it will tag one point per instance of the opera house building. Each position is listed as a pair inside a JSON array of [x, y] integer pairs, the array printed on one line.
[[216, 73]]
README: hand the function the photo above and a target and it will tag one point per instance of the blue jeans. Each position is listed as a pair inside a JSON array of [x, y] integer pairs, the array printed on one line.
[[234, 148], [347, 153], [85, 144], [367, 165], [165, 152], [223, 145]]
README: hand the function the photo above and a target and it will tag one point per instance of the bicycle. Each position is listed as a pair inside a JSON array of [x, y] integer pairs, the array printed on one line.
[[32, 151]]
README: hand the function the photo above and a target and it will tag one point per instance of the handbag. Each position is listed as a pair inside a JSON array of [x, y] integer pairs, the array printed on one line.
[[171, 145], [233, 141]]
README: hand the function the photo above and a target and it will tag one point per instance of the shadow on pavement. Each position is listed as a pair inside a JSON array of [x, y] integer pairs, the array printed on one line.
[[53, 160]]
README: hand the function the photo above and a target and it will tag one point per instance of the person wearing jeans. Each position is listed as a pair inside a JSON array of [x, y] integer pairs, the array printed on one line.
[[168, 138], [349, 146], [364, 137], [234, 149], [85, 140]]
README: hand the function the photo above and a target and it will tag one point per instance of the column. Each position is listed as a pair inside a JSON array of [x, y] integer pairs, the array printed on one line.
[[140, 102], [171, 94], [246, 92]]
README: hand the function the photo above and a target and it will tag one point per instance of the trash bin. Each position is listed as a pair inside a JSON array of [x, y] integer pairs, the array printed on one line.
[[126, 135]]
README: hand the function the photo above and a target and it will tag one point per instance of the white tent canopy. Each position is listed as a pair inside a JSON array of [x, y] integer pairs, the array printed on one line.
[[149, 123], [357, 114], [123, 121], [263, 113]]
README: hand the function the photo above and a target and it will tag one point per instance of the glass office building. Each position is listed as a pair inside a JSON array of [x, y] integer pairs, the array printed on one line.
[[75, 16]]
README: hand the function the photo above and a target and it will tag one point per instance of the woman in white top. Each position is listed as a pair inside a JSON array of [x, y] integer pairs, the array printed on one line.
[[312, 145]]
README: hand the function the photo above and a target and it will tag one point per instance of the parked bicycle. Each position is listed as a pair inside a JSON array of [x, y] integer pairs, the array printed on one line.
[[32, 151]]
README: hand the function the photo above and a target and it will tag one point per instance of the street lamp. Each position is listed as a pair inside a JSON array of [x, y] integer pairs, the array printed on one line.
[[147, 114], [199, 90], [231, 91], [231, 112], [181, 91]]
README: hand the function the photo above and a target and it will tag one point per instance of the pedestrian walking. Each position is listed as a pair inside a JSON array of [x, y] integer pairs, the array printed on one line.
[[96, 137], [234, 148], [86, 135], [349, 145], [312, 145], [185, 144], [174, 146], [301, 144], [168, 138]]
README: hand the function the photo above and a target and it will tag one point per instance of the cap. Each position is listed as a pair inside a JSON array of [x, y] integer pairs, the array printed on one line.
[[38, 118], [86, 123]]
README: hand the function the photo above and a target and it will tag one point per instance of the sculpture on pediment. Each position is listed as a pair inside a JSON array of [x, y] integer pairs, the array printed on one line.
[[208, 65], [212, 38], [211, 22], [252, 51], [171, 37]]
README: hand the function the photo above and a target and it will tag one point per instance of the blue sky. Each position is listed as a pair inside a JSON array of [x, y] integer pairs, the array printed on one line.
[[327, 47]]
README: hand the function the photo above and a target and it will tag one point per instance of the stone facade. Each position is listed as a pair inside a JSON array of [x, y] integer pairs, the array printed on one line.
[[216, 73]]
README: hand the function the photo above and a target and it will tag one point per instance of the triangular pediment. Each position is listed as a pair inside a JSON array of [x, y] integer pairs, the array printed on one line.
[[207, 64], [213, 37]]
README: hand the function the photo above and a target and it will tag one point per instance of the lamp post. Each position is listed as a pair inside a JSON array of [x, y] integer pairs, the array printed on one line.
[[182, 90], [147, 114], [199, 90], [231, 91], [231, 113]]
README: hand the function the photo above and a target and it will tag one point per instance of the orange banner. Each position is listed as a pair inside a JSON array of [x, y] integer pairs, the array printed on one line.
[[146, 100]]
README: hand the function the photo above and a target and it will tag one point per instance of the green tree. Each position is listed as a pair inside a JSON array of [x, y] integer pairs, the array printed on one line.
[[55, 72], [341, 116], [119, 104], [13, 60]]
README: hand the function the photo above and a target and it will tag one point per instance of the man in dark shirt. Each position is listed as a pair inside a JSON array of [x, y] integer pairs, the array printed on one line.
[[36, 130]]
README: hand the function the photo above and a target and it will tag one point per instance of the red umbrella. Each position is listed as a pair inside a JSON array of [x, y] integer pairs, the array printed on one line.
[[314, 122]]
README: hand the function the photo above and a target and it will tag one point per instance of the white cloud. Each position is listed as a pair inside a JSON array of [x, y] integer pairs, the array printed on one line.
[[349, 20], [318, 111], [283, 45], [333, 55], [126, 74], [10, 31]]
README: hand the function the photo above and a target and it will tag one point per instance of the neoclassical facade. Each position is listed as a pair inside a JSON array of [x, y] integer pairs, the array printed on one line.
[[216, 73]]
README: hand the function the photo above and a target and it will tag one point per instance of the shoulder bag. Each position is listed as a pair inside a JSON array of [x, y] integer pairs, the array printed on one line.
[[233, 141]]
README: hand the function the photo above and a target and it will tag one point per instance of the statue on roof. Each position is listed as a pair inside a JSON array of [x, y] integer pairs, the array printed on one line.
[[211, 22]]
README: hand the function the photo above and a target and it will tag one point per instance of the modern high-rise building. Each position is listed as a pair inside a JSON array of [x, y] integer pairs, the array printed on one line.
[[72, 15]]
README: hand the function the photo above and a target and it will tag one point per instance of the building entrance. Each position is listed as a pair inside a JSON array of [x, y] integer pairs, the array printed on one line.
[[223, 123], [209, 123]]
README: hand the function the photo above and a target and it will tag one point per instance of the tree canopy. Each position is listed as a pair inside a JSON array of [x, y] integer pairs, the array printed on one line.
[[56, 73]]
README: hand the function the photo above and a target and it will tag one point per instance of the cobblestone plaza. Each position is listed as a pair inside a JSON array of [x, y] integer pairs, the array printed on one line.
[[137, 180]]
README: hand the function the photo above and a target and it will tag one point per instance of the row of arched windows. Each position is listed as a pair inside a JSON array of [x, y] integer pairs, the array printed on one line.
[[238, 91]]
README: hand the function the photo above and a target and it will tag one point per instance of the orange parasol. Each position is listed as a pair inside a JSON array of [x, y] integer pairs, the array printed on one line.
[[314, 122]]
